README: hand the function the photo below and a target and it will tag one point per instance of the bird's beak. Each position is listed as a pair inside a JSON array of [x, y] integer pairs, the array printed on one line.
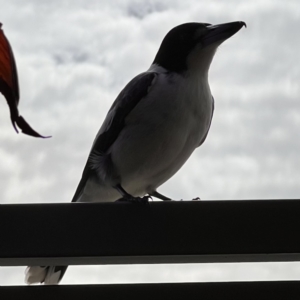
[[219, 33]]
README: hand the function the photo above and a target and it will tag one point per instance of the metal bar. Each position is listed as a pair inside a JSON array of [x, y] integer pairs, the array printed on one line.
[[161, 232], [217, 290]]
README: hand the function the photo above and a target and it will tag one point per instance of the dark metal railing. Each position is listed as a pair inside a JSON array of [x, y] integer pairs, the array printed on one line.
[[158, 232]]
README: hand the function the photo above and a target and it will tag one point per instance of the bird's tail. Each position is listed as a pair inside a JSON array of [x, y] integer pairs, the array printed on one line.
[[46, 275]]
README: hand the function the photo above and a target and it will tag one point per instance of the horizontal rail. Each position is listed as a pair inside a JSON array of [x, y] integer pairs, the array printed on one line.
[[276, 290], [158, 232]]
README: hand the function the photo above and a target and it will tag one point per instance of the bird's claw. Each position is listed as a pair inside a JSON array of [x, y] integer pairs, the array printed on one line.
[[142, 200]]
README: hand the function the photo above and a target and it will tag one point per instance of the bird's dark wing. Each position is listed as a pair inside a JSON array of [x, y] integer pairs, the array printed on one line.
[[129, 97], [114, 122], [9, 85], [212, 112]]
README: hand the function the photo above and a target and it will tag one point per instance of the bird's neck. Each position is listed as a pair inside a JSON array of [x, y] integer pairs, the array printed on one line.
[[157, 68], [198, 63]]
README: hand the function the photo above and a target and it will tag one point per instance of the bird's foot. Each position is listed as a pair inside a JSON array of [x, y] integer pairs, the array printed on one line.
[[160, 196], [194, 199], [129, 198]]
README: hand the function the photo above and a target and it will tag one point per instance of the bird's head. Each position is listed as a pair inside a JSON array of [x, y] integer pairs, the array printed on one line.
[[191, 46]]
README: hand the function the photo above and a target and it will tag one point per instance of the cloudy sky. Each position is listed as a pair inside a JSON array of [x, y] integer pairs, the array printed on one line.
[[74, 57]]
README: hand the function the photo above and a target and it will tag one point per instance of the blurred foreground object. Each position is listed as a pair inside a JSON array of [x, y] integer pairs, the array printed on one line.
[[9, 86]]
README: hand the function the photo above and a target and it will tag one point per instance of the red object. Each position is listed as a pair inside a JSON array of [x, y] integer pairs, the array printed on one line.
[[9, 86]]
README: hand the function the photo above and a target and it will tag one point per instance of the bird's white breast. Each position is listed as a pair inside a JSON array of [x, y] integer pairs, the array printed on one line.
[[162, 131]]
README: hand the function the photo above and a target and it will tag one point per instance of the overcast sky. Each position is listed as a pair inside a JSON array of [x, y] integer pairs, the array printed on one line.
[[74, 57]]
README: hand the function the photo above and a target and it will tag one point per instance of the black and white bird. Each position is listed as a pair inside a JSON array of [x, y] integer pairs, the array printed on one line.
[[154, 125]]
